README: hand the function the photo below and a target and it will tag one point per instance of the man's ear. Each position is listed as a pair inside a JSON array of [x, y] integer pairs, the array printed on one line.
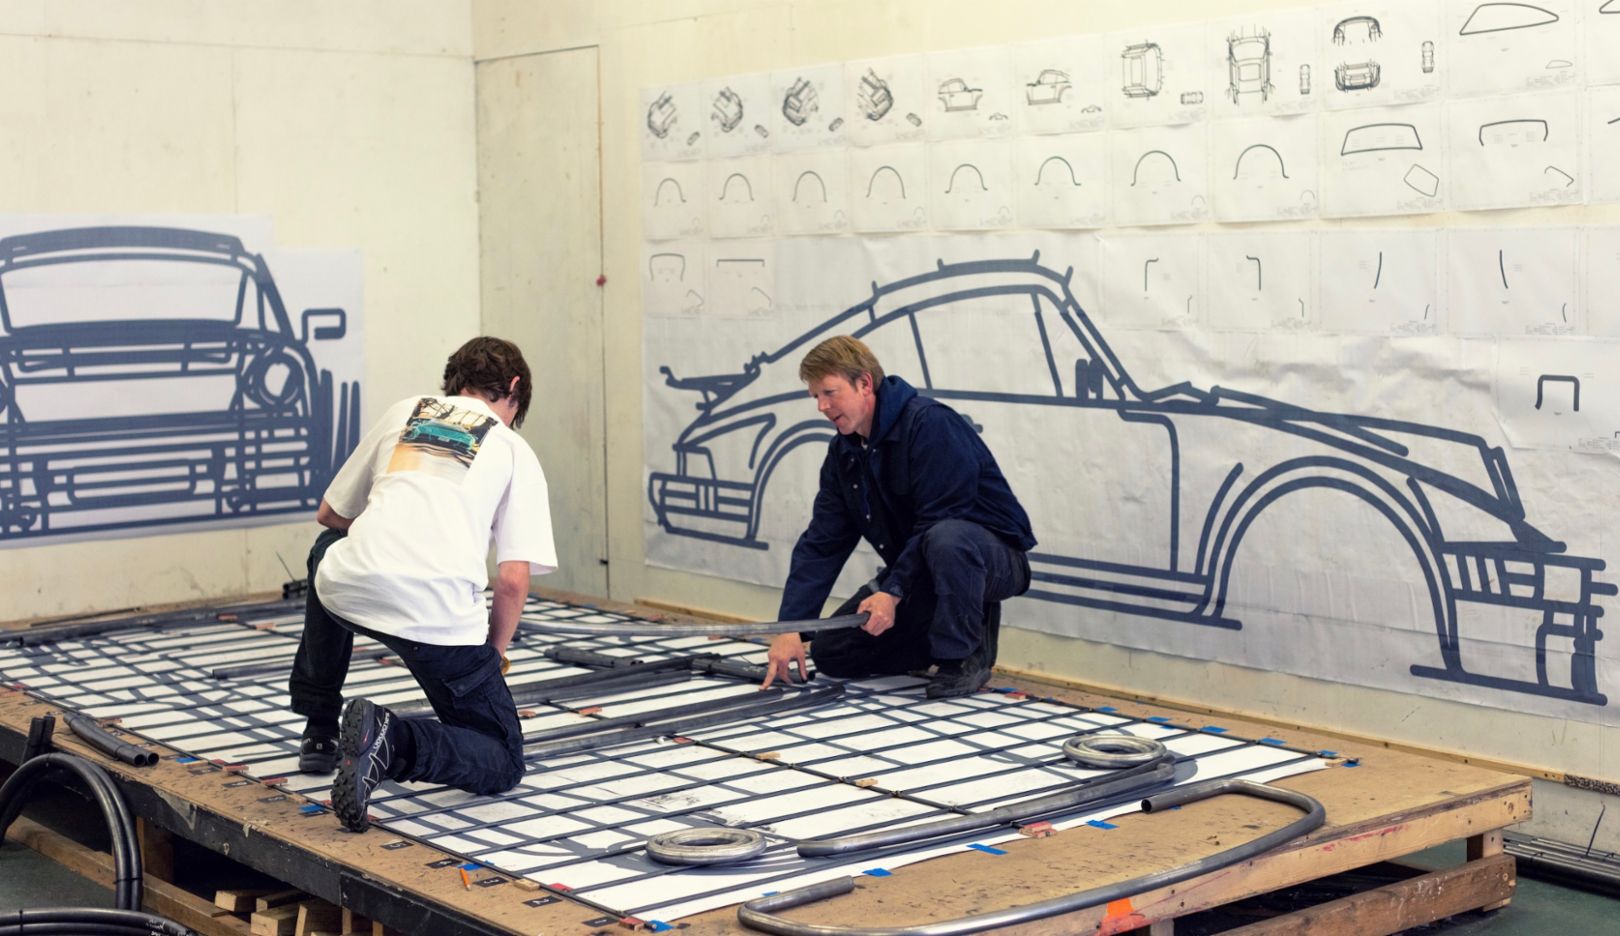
[[511, 388], [866, 378]]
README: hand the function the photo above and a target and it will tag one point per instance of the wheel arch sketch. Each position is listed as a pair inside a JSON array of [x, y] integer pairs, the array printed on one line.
[[1436, 487], [250, 424]]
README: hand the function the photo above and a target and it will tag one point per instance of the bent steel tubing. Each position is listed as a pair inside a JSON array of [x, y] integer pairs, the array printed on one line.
[[1128, 782], [759, 914], [783, 703], [641, 628], [104, 741]]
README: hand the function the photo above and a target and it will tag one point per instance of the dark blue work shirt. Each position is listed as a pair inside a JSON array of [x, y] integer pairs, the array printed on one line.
[[923, 464]]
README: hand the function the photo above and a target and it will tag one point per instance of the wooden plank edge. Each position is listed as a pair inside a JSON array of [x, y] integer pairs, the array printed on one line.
[[1483, 884], [161, 897]]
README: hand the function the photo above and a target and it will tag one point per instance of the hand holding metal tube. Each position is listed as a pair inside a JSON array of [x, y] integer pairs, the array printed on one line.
[[786, 651]]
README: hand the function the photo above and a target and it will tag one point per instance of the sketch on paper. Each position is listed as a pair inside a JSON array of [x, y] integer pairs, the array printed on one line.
[[974, 94], [1153, 282], [972, 185], [154, 376], [743, 205], [1260, 282], [889, 188], [1266, 168], [1064, 84], [1062, 181], [1379, 53], [673, 202], [1208, 467], [1163, 78], [1383, 282], [1160, 175], [1602, 142], [1558, 394], [741, 280], [1387, 161], [887, 101], [1265, 66], [674, 284], [673, 123], [1508, 47], [1513, 282], [809, 107], [812, 193], [1248, 66], [1512, 151], [1602, 281], [739, 122]]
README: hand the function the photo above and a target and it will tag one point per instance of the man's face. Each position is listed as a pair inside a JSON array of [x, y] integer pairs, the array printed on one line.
[[849, 406]]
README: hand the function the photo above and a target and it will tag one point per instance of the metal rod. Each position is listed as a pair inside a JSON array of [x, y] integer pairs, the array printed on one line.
[[1130, 781], [760, 913], [642, 628], [100, 739], [782, 703]]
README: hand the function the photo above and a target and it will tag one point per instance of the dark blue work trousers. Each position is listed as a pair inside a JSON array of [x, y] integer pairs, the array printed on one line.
[[969, 571], [475, 744]]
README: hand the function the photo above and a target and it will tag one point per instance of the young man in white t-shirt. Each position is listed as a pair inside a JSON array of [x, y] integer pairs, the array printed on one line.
[[410, 519]]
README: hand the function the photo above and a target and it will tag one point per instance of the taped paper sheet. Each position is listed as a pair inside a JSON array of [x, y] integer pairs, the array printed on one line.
[[889, 188], [887, 99], [1267, 64], [1381, 53], [674, 119], [1603, 142], [1508, 152], [1160, 175], [1505, 47], [812, 192], [1264, 169], [673, 278], [1559, 394], [740, 202], [971, 184], [739, 115], [673, 202], [1260, 282], [1152, 281], [1601, 26], [1379, 282], [973, 94], [1063, 181], [1513, 281], [1065, 84], [1602, 269], [1383, 161], [807, 107], [1165, 75]]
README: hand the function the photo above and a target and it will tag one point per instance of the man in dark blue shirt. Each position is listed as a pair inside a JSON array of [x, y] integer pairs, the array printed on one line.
[[911, 476]]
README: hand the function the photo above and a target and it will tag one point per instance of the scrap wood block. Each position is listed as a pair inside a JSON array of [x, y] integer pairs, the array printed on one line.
[[354, 922], [278, 898], [240, 900], [316, 915], [275, 921]]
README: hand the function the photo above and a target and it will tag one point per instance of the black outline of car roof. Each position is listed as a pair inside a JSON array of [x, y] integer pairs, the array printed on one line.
[[1515, 120], [1465, 31], [1345, 150]]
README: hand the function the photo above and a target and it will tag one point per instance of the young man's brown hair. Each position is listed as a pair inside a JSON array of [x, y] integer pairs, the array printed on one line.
[[487, 365], [842, 355]]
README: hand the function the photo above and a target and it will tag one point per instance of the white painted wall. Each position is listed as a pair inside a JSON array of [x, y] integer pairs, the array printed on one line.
[[645, 42], [350, 125]]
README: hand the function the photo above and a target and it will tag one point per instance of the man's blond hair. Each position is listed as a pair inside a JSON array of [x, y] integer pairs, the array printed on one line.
[[842, 355]]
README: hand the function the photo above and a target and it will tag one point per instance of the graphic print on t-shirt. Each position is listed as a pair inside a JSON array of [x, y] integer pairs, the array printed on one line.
[[440, 439]]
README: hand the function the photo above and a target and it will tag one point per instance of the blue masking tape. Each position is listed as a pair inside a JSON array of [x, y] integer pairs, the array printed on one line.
[[877, 872], [1213, 729], [1159, 720], [1106, 708], [986, 849], [1277, 741], [1099, 824]]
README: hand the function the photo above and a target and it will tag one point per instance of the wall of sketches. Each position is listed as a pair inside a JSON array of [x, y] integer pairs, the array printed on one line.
[[1225, 288], [243, 263]]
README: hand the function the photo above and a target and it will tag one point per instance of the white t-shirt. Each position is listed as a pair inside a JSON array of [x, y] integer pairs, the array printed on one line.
[[434, 484]]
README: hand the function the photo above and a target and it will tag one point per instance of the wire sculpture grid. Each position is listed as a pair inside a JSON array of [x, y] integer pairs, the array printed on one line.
[[881, 756]]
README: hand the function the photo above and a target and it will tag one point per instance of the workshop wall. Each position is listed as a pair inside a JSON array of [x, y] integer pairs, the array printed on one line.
[[348, 126], [643, 44]]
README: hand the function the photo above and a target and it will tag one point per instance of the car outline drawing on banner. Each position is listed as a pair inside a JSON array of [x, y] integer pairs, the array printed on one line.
[[749, 421], [283, 428]]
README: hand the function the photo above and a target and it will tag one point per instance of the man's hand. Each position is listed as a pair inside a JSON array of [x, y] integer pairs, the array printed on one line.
[[786, 649], [879, 609]]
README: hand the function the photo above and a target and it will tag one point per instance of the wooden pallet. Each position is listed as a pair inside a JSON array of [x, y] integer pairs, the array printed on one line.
[[1390, 804]]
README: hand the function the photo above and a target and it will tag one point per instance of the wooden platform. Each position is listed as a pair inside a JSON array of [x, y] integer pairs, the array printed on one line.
[[1381, 804]]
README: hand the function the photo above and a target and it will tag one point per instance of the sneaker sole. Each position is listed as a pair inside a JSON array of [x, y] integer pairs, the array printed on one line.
[[351, 811], [317, 764]]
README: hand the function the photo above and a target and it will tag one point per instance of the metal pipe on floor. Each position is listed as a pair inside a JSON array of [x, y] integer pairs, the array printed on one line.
[[760, 914], [644, 628]]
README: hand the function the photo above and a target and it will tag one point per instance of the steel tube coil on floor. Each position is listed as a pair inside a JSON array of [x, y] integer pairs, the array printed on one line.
[[104, 741], [642, 628], [759, 914], [89, 921], [1129, 782], [127, 873], [1112, 751], [713, 846]]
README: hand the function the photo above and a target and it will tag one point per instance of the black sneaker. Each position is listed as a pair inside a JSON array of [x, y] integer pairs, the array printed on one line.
[[956, 678], [317, 755], [367, 743]]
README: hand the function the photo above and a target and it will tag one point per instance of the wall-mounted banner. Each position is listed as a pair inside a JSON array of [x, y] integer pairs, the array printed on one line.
[[1219, 477], [169, 372]]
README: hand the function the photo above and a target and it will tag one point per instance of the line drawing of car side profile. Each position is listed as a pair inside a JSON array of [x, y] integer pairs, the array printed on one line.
[[1143, 64], [1248, 65], [955, 95], [185, 395], [1048, 87], [1216, 461]]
